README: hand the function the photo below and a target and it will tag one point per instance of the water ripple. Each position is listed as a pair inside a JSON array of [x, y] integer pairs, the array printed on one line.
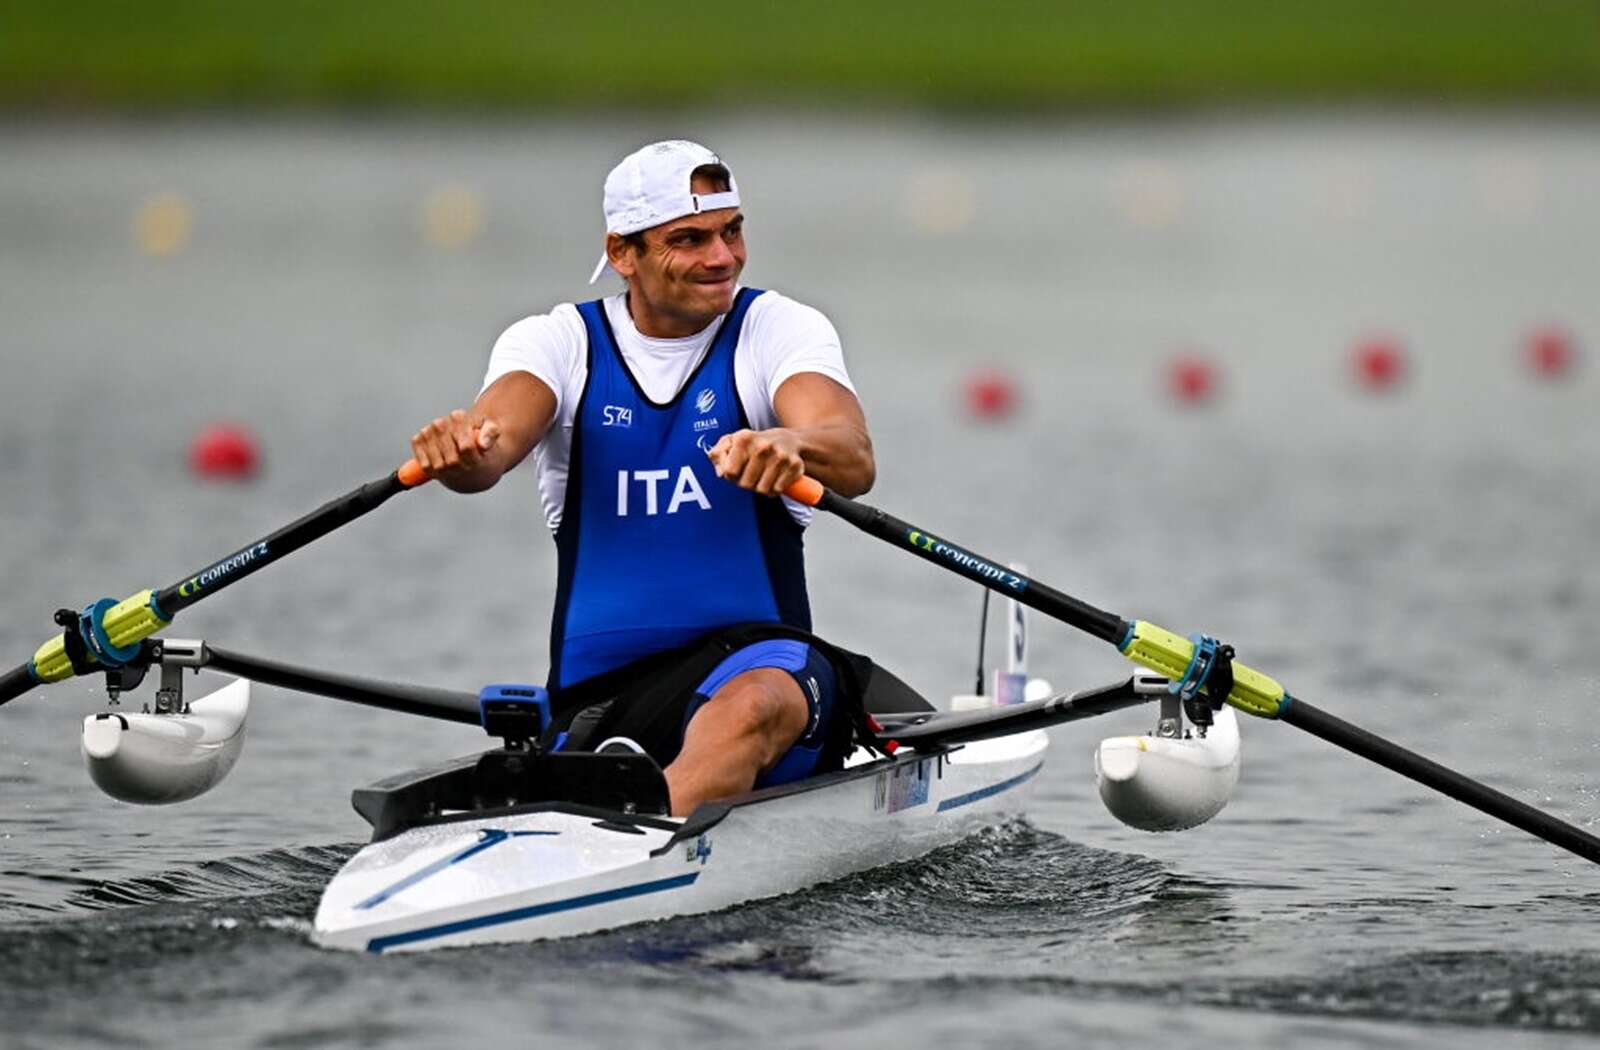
[[224, 879]]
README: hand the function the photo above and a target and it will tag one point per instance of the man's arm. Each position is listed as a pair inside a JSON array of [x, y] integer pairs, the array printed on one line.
[[822, 432], [468, 451]]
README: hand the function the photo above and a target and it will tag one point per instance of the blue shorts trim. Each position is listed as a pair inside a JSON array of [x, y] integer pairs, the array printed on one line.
[[785, 654], [812, 672]]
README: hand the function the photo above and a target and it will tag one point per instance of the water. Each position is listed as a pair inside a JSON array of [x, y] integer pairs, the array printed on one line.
[[1420, 563]]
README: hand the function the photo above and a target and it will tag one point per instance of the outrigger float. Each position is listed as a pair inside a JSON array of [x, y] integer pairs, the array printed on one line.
[[522, 843]]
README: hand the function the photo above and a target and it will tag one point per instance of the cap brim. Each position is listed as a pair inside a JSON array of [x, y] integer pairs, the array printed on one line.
[[601, 267]]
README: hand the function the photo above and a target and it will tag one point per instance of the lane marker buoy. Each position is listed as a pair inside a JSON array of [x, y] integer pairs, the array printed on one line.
[[1379, 363], [990, 394], [1551, 353], [1193, 379], [940, 203], [225, 452], [453, 217], [1149, 195], [163, 225]]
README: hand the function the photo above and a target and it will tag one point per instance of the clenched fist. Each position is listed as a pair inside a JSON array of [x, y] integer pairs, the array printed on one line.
[[764, 461], [453, 448]]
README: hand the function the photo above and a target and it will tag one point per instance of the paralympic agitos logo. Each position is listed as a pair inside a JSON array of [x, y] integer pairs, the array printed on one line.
[[195, 584], [968, 561]]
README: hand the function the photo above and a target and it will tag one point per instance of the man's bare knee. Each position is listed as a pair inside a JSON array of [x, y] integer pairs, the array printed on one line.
[[757, 706], [765, 704], [743, 730]]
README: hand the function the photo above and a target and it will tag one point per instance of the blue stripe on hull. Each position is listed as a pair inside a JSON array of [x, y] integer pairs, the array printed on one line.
[[990, 791], [379, 944], [488, 838]]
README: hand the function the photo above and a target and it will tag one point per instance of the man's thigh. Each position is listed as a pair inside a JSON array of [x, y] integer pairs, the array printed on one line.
[[784, 684]]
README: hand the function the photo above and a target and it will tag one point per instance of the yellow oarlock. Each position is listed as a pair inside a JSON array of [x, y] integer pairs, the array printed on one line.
[[127, 623], [1169, 654]]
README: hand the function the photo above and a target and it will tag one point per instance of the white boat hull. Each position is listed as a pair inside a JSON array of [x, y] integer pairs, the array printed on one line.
[[557, 872]]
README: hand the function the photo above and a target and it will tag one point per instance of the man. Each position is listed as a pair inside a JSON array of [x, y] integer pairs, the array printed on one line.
[[665, 421]]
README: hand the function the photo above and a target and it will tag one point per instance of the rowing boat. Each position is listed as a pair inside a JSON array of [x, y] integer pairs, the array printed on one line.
[[560, 868], [517, 843], [520, 843]]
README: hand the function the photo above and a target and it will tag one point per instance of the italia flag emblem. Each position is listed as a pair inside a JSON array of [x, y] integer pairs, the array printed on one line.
[[706, 400]]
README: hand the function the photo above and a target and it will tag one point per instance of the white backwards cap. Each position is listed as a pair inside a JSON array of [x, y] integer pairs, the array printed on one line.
[[651, 186]]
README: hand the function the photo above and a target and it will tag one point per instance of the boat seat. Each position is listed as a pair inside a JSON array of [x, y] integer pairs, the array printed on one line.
[[886, 694]]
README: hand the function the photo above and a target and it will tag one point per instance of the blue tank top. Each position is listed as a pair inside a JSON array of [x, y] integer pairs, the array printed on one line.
[[654, 550]]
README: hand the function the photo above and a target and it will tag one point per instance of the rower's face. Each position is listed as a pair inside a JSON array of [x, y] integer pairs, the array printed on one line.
[[690, 267]]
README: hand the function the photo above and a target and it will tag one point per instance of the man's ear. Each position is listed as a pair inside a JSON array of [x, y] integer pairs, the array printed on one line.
[[620, 252]]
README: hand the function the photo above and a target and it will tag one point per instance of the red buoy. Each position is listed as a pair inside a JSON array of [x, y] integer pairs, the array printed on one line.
[[224, 451], [1379, 363], [1552, 353], [990, 394], [1192, 379]]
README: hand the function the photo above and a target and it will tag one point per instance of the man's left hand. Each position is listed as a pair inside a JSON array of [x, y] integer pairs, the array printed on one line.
[[764, 461]]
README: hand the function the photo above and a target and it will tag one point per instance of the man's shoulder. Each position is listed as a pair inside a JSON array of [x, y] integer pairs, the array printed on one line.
[[786, 337], [555, 336], [776, 318], [549, 346], [562, 319], [775, 306]]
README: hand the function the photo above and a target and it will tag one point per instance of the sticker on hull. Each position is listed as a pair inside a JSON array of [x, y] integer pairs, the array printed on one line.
[[902, 787], [698, 850]]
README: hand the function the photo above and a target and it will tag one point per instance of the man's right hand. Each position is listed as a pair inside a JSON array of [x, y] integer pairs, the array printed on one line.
[[459, 451]]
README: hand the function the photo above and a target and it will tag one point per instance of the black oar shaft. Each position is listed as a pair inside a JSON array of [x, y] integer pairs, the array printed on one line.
[[1106, 626], [444, 704], [986, 571], [15, 682], [218, 575], [1340, 733], [325, 519]]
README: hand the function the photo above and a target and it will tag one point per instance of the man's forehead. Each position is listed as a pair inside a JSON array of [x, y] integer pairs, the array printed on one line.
[[707, 220]]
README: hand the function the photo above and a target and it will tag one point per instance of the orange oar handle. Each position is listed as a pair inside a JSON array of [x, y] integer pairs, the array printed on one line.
[[411, 474], [807, 490]]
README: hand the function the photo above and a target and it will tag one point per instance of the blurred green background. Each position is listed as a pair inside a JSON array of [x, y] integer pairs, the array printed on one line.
[[115, 55]]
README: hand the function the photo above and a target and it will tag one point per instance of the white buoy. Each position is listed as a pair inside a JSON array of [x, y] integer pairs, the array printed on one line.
[[152, 759], [1158, 783]]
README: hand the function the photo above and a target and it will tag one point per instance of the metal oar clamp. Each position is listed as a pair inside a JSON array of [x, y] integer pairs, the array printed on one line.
[[89, 649], [92, 629], [1210, 668]]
